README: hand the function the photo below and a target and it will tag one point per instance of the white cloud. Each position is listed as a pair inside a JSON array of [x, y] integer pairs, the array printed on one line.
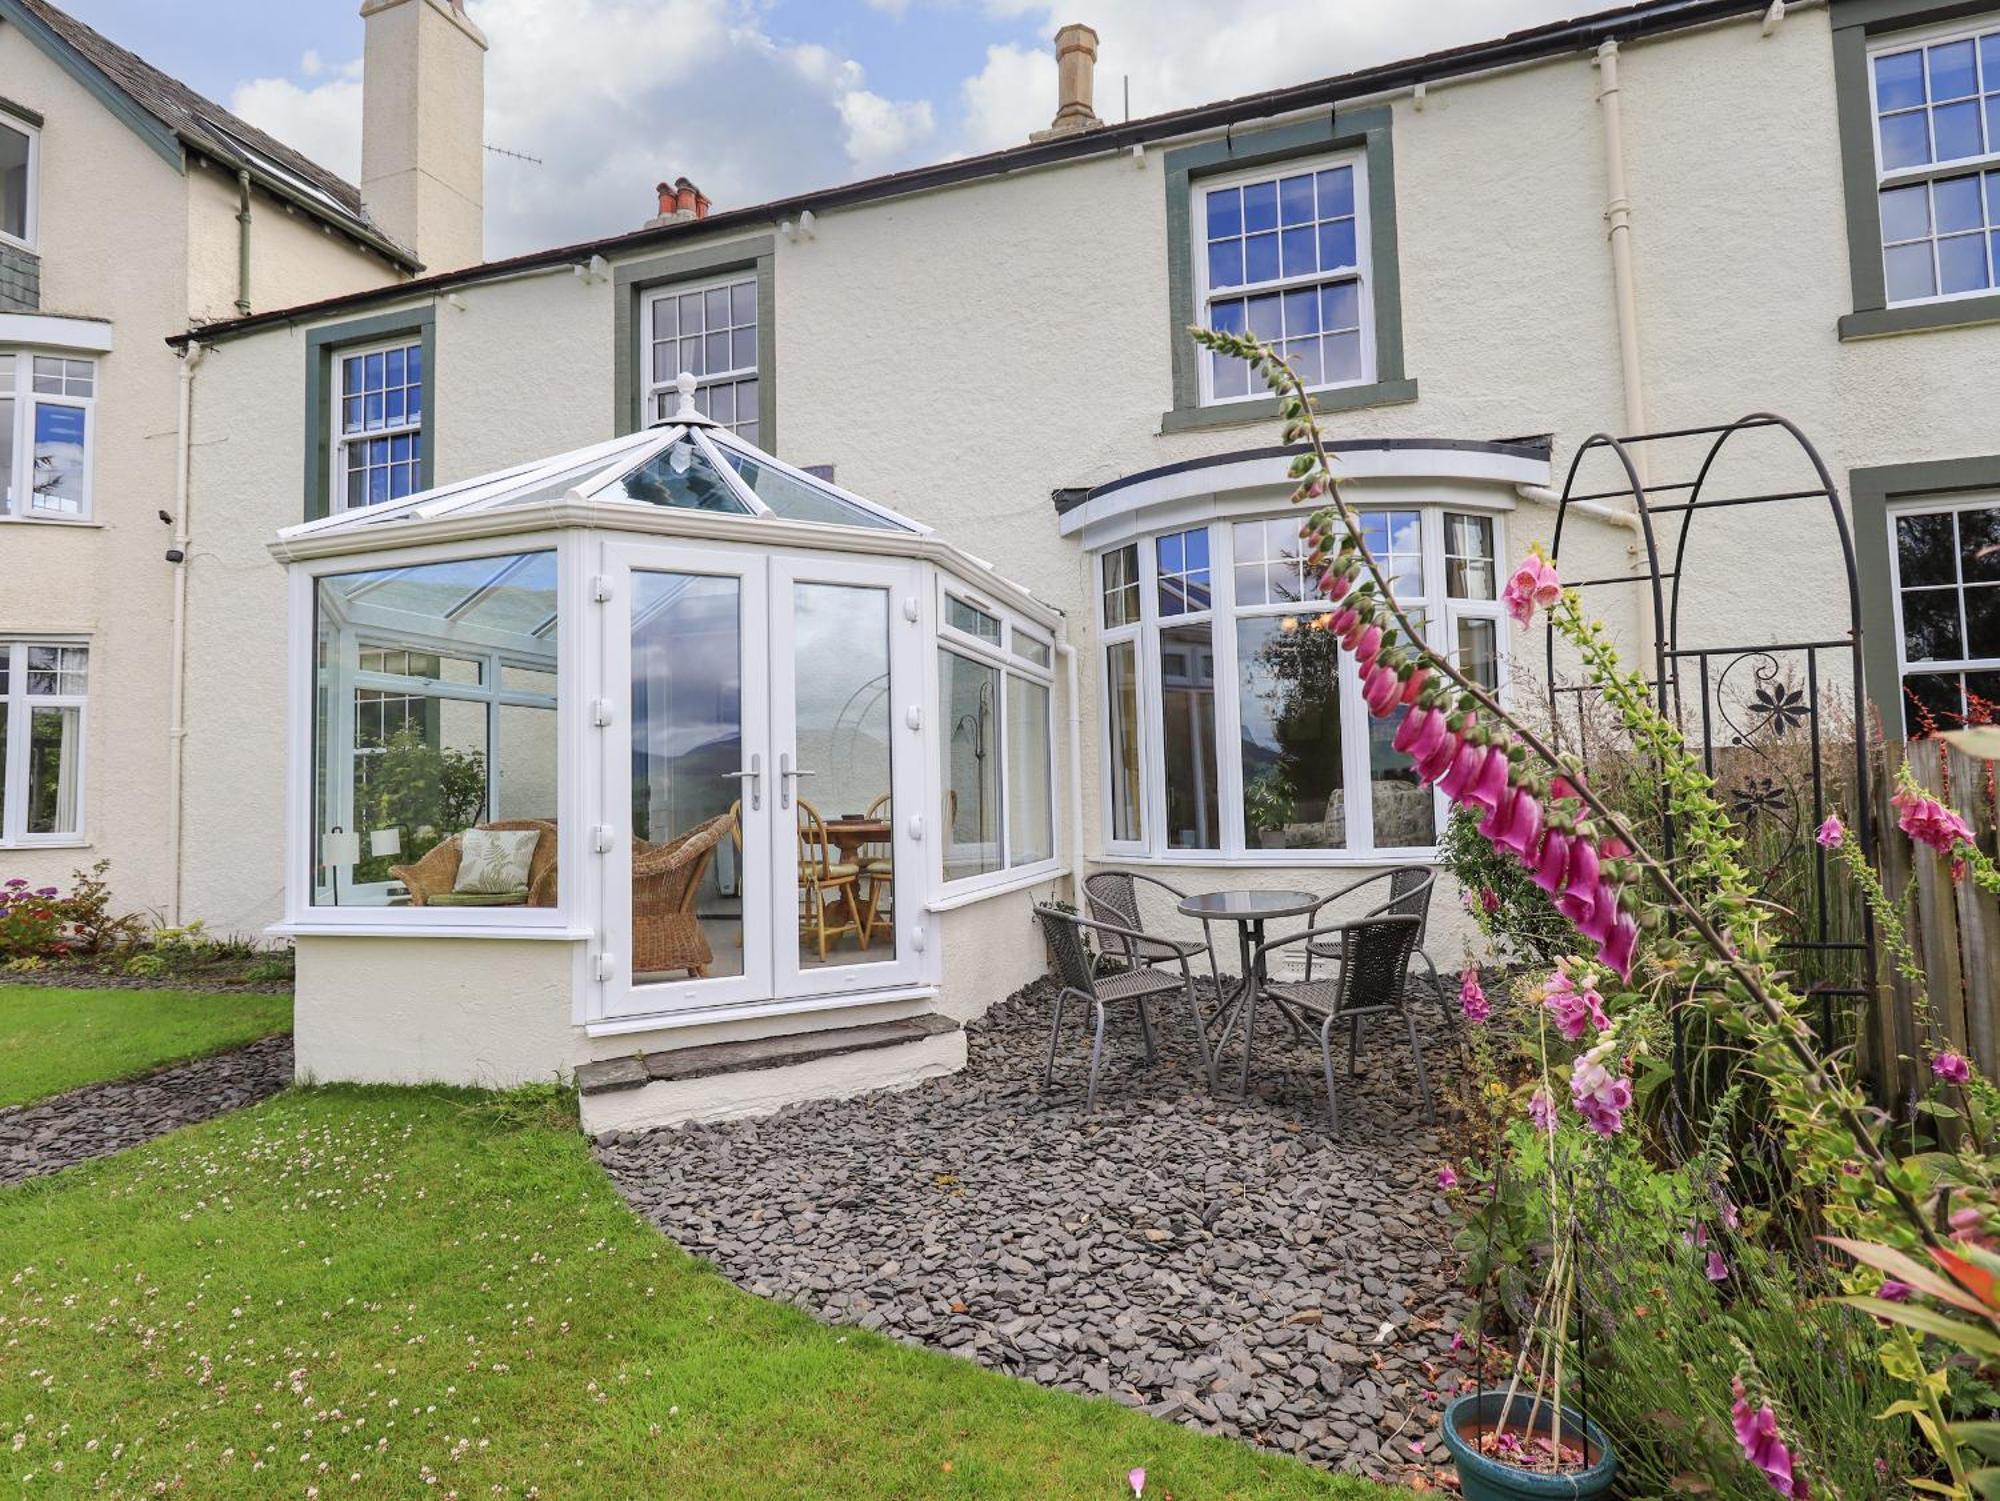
[[1013, 94], [617, 95]]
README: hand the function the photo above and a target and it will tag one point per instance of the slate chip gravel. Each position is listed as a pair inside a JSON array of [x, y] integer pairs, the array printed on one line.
[[1231, 1266]]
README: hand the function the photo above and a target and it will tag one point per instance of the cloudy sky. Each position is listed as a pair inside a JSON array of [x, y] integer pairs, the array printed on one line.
[[753, 99]]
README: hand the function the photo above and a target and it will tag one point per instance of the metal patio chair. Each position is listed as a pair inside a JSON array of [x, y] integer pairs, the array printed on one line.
[[1410, 891], [1076, 975], [1373, 980], [1113, 897]]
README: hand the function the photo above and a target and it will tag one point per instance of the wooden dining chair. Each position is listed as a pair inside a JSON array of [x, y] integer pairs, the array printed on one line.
[[878, 874], [824, 878]]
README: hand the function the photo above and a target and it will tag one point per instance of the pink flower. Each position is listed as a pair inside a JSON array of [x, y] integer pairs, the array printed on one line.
[[1533, 585], [1717, 1269], [1600, 1096], [1957, 869], [1892, 1291], [1951, 1067], [1489, 899], [1472, 1002], [1136, 1478], [1757, 1433], [1832, 834], [1969, 1225], [1928, 821], [1447, 1179], [1542, 1111], [1573, 1009]]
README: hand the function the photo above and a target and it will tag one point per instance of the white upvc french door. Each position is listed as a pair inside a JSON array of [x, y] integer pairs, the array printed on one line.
[[775, 702], [847, 731]]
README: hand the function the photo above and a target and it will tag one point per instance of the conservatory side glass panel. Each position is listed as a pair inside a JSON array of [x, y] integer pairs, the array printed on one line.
[[435, 735]]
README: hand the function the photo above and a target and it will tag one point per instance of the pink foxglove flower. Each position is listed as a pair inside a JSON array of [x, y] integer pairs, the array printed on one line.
[[1472, 1002], [1489, 899], [1542, 1111], [1447, 1179], [1464, 769], [1533, 586], [1573, 1009], [1832, 834], [1951, 1067], [1600, 1096], [1928, 821], [1757, 1433], [1717, 1269]]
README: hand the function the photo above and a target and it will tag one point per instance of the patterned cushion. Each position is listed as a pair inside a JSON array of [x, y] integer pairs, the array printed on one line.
[[492, 862], [480, 899]]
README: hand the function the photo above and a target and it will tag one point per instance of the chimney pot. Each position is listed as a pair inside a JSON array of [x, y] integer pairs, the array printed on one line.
[[1076, 67], [680, 200]]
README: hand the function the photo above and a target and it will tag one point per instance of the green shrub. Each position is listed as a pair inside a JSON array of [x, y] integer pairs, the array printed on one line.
[[93, 928], [146, 966]]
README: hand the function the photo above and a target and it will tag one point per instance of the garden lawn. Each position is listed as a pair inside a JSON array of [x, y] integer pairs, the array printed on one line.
[[381, 1292], [52, 1040]]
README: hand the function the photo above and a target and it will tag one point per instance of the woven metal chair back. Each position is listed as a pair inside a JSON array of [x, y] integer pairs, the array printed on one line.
[[1410, 889], [1375, 962], [1073, 968], [1113, 896]]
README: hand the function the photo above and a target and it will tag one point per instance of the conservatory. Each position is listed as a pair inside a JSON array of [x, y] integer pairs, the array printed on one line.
[[654, 744]]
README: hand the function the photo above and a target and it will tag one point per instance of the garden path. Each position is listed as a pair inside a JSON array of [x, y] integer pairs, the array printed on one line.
[[98, 1119], [1231, 1266]]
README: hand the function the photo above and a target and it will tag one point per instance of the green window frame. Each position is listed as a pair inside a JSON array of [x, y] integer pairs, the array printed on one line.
[[1859, 28], [703, 264], [323, 349], [1874, 495], [1363, 133]]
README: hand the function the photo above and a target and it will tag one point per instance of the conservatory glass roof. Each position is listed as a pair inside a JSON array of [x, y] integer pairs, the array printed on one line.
[[687, 463]]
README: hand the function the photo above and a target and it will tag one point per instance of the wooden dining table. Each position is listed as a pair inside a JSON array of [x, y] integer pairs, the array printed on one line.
[[851, 836]]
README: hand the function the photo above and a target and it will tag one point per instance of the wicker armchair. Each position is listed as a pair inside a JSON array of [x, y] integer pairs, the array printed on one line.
[[666, 931], [430, 879]]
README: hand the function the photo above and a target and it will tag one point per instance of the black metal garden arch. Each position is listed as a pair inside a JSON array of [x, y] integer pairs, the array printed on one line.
[[1755, 708]]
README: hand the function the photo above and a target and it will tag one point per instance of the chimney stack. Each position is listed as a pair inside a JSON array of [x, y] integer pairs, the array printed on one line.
[[423, 128], [1076, 68], [680, 202]]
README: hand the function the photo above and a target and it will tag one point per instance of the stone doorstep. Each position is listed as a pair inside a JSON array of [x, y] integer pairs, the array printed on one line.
[[710, 1059]]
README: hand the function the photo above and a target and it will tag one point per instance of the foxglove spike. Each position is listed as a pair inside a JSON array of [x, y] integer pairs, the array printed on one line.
[[1463, 770], [1492, 783]]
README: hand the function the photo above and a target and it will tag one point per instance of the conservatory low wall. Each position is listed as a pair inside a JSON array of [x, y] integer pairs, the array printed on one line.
[[497, 1012]]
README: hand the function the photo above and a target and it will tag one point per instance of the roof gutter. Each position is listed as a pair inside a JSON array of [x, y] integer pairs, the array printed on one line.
[[1585, 34]]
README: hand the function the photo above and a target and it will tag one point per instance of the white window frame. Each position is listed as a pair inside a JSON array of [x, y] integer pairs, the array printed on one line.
[[1235, 848], [32, 227], [1956, 666], [26, 401], [1364, 270], [649, 413], [342, 439], [1131, 633], [1935, 171], [303, 914], [13, 831], [1002, 656]]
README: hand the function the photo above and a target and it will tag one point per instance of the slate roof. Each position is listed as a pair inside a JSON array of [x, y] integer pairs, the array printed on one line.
[[205, 126]]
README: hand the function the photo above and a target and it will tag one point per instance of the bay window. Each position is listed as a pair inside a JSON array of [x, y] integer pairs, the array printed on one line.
[[42, 693], [996, 738], [46, 435], [1231, 728]]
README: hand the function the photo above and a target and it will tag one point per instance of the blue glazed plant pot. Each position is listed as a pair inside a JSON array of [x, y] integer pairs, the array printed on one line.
[[1485, 1477]]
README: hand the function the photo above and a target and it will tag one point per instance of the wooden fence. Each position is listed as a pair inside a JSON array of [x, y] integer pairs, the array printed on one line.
[[1954, 928]]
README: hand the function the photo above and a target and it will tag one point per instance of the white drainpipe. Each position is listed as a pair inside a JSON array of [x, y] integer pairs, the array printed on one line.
[[1618, 222], [177, 665], [1068, 655]]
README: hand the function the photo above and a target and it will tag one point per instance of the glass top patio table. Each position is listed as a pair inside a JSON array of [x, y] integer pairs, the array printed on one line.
[[1249, 910]]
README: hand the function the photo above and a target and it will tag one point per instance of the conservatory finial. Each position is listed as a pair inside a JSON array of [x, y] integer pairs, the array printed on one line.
[[685, 412]]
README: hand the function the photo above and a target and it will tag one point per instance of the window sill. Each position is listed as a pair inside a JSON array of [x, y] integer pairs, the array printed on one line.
[[1020, 880], [79, 523], [44, 844], [1382, 393], [1877, 323], [428, 930]]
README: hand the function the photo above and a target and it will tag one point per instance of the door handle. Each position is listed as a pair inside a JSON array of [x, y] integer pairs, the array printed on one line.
[[755, 777], [787, 774]]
